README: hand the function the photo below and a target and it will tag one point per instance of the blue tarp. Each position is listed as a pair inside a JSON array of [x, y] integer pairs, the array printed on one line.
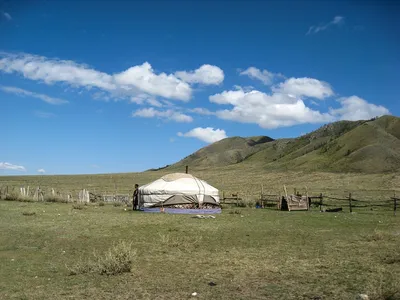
[[183, 211]]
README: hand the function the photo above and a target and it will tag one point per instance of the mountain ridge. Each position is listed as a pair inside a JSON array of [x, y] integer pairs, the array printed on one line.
[[366, 146]]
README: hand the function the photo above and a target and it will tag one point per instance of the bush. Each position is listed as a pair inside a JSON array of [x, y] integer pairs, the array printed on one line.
[[115, 260], [117, 204], [12, 197], [28, 213], [247, 203], [55, 198], [101, 203], [77, 206]]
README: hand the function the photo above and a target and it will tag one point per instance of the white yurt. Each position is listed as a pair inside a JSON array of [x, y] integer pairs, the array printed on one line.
[[179, 191]]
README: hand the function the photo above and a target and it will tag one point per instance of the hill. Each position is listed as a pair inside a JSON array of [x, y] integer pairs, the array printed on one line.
[[370, 146]]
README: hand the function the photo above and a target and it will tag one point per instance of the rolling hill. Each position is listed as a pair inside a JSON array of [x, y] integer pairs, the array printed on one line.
[[371, 146]]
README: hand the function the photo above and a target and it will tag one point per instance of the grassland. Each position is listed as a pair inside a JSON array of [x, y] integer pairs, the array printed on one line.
[[247, 253], [246, 180]]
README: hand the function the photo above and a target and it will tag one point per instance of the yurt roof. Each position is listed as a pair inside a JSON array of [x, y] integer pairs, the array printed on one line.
[[178, 183]]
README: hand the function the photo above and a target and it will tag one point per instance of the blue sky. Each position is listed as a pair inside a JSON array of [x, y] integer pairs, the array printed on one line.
[[124, 86]]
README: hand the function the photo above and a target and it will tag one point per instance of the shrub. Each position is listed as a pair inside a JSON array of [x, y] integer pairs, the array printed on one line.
[[28, 213], [116, 204], [101, 203], [55, 198], [12, 197], [77, 206], [115, 260]]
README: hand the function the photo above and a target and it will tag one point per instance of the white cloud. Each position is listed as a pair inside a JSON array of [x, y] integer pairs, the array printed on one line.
[[201, 111], [144, 98], [142, 78], [168, 114], [308, 87], [6, 15], [136, 80], [268, 111], [338, 20], [206, 74], [208, 134], [8, 166], [94, 166], [41, 171], [22, 92], [355, 108], [51, 71], [264, 76]]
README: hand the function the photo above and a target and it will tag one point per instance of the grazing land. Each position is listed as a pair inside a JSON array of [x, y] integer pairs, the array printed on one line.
[[245, 180], [246, 253], [96, 251]]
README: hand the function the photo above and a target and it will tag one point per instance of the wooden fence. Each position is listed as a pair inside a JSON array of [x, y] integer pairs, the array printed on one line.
[[50, 195]]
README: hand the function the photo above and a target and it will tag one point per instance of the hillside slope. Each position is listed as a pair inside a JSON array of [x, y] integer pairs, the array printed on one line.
[[346, 146], [225, 152]]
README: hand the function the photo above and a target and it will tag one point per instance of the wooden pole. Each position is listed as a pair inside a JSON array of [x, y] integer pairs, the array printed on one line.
[[350, 207], [308, 202], [187, 169], [394, 204], [320, 201], [262, 196]]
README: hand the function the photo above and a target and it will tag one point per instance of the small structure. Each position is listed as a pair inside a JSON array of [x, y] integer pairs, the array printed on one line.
[[294, 202], [179, 193]]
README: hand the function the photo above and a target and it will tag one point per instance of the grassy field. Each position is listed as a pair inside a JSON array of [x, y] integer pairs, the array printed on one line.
[[246, 180], [247, 253]]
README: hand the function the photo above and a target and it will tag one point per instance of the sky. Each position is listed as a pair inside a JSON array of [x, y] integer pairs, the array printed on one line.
[[123, 86]]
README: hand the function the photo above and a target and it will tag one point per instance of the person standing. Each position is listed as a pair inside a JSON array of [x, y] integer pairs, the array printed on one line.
[[136, 197]]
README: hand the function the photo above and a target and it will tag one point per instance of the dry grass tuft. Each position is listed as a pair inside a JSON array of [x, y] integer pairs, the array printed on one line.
[[385, 286], [28, 213], [379, 236], [115, 260]]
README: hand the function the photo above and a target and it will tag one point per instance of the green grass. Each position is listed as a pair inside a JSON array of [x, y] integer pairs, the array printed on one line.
[[245, 180], [251, 254]]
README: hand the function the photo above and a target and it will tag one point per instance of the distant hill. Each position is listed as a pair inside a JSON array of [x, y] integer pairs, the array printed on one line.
[[371, 146]]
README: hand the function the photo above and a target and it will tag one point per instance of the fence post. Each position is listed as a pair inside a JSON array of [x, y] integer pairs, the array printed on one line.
[[394, 203], [320, 202], [351, 209]]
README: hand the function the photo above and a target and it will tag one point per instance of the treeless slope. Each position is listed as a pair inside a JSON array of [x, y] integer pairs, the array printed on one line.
[[361, 146], [225, 152]]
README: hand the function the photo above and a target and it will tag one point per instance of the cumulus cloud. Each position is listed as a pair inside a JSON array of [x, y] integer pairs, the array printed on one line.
[[136, 80], [268, 111], [143, 78], [168, 114], [41, 171], [264, 76], [208, 134], [206, 74], [308, 87], [338, 20], [8, 166], [355, 108], [23, 93]]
